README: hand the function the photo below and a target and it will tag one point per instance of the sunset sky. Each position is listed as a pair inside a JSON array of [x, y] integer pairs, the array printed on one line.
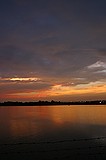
[[52, 50]]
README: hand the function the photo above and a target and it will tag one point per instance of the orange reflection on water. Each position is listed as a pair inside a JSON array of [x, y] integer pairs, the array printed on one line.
[[27, 121], [61, 115], [79, 114]]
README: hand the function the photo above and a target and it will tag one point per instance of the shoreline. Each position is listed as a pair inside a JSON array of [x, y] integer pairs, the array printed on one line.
[[52, 103]]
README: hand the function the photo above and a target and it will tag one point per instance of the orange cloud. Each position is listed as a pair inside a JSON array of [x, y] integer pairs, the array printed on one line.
[[49, 92], [92, 87]]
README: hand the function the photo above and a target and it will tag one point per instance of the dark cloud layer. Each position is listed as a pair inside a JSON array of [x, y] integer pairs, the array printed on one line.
[[53, 39]]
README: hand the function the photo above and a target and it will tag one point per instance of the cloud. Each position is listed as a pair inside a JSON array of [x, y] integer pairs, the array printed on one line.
[[55, 42], [20, 79], [98, 64], [102, 71], [102, 52], [53, 60], [22, 87]]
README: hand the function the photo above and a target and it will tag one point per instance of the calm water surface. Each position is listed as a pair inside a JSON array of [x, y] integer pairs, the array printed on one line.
[[52, 123]]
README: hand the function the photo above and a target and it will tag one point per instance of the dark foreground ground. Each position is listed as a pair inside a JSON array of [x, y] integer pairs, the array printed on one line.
[[73, 149]]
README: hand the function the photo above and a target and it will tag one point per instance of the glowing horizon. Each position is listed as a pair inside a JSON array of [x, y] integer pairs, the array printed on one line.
[[54, 90]]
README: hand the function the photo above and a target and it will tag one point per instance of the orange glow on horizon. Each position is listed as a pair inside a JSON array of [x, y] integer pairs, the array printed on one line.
[[57, 90], [92, 88], [33, 88]]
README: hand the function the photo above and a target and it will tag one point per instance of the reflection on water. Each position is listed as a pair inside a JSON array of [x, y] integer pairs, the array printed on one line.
[[39, 121], [29, 123]]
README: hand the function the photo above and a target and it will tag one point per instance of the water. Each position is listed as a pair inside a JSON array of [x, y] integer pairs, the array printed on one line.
[[53, 132]]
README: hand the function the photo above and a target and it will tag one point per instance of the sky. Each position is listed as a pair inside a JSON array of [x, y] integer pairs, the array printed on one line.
[[52, 50]]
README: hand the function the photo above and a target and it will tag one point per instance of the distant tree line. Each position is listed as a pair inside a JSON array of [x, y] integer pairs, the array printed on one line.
[[51, 103]]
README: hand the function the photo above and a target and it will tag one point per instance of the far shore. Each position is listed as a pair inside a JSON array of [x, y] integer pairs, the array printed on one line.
[[52, 103]]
